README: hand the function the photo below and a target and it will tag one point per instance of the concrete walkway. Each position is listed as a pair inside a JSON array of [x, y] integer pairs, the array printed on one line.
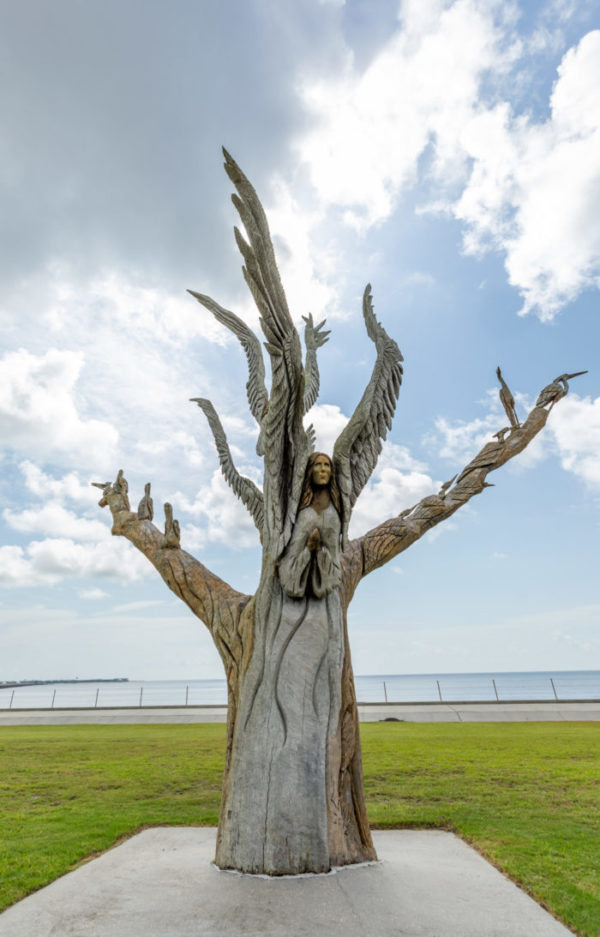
[[518, 711], [161, 883], [544, 711]]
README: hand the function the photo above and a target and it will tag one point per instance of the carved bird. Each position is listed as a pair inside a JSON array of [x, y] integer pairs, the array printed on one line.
[[106, 488], [145, 510], [559, 388], [444, 489], [117, 491], [502, 433], [172, 535], [507, 400]]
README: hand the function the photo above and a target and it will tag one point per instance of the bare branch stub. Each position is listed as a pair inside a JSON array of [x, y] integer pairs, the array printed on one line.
[[208, 597]]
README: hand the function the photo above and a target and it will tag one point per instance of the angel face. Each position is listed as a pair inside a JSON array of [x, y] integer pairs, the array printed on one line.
[[321, 470]]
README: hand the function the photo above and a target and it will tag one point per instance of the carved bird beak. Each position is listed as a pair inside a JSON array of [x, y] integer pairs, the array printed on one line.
[[577, 373]]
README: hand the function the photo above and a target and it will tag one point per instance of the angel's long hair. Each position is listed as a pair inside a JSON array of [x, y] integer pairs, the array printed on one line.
[[308, 492]]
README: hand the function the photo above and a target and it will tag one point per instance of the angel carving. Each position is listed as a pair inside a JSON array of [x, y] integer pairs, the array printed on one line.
[[293, 798], [282, 439]]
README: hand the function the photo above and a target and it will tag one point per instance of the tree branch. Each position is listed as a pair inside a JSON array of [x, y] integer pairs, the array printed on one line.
[[386, 541], [222, 609]]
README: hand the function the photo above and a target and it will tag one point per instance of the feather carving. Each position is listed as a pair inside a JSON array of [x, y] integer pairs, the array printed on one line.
[[359, 444], [283, 438], [248, 493], [255, 386]]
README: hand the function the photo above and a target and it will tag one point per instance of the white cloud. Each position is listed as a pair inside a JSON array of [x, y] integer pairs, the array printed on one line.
[[124, 356], [534, 190], [170, 319], [572, 433], [46, 562], [328, 422], [186, 446], [575, 424], [93, 594], [528, 189], [305, 265], [223, 517], [460, 441], [15, 568], [78, 546], [53, 519], [39, 408], [68, 487], [372, 128], [73, 545], [389, 491]]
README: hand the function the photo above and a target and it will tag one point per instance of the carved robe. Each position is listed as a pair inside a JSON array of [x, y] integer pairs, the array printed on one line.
[[294, 711], [304, 573]]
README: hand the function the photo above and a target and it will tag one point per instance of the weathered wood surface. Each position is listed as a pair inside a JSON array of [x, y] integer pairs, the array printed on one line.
[[293, 797]]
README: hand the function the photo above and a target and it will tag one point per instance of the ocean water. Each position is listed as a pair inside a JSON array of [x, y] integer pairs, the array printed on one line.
[[397, 688]]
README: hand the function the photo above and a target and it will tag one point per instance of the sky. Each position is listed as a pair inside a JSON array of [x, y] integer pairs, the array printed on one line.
[[445, 151]]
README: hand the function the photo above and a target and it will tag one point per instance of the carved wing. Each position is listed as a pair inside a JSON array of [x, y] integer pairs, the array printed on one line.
[[359, 444], [313, 338], [283, 436], [255, 386], [312, 438], [243, 487]]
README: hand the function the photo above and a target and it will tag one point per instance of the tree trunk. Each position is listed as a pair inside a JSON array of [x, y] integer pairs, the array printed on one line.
[[293, 796]]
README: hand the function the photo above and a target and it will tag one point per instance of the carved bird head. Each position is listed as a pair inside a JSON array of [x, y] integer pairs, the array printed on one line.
[[567, 377]]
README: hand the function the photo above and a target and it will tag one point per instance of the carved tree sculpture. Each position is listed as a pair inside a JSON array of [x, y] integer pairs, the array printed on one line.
[[293, 798]]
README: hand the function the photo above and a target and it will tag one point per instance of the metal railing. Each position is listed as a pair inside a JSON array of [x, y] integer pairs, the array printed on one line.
[[369, 690], [70, 697]]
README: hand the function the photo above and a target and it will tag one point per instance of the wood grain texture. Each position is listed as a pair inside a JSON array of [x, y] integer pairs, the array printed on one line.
[[293, 798]]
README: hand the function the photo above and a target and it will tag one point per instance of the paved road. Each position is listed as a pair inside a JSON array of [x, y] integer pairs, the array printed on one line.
[[545, 711]]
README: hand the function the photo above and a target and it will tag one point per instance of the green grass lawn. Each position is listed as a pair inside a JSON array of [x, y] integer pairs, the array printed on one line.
[[526, 795]]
